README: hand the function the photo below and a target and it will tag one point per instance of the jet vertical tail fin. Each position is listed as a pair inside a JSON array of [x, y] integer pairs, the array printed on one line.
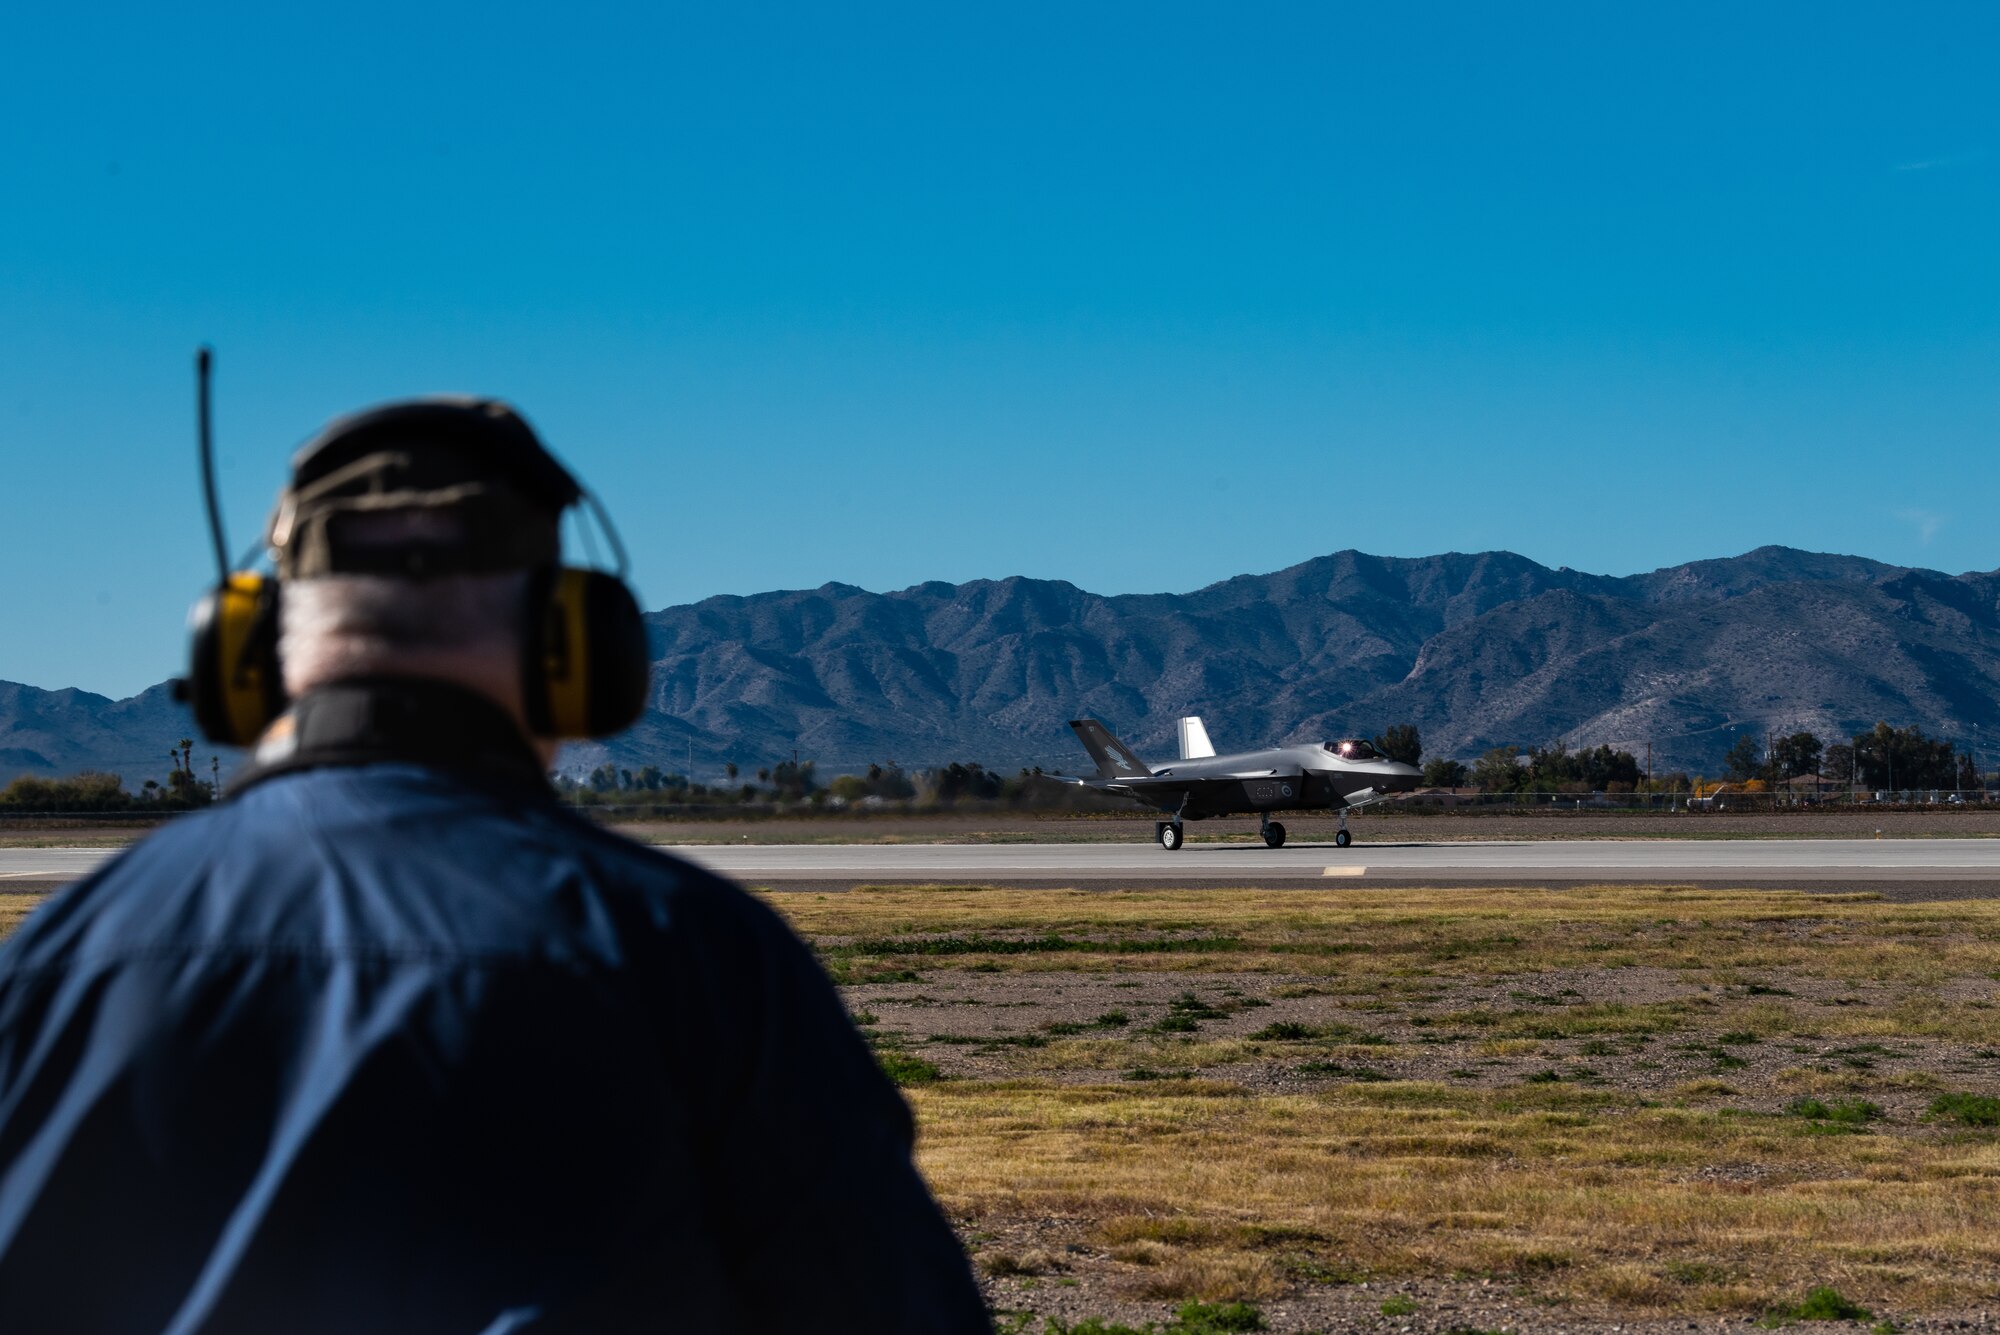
[[1114, 759], [1194, 740]]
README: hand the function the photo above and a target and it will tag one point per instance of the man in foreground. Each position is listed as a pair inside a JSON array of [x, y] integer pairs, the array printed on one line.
[[393, 1042]]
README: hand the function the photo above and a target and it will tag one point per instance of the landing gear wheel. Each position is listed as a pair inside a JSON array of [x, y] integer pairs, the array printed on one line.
[[1170, 835], [1343, 839], [1274, 835]]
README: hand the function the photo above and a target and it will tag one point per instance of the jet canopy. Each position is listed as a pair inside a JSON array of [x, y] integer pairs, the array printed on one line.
[[1353, 748]]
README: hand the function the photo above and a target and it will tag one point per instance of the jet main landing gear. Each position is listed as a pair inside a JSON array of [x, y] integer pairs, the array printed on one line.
[[1169, 833], [1273, 832]]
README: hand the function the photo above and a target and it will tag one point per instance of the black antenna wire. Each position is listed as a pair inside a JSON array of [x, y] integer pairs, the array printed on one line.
[[203, 359], [579, 522], [610, 532]]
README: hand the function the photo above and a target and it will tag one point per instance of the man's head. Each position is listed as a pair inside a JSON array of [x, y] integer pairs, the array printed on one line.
[[422, 539], [405, 540]]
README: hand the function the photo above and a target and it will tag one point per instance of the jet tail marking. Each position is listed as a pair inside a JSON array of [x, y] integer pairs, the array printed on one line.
[[1114, 759], [1194, 740]]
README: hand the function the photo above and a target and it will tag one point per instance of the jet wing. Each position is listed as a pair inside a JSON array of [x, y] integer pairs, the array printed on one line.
[[1155, 784], [1167, 776], [1120, 785]]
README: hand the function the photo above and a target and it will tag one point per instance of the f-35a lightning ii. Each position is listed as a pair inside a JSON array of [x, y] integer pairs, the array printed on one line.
[[1335, 776]]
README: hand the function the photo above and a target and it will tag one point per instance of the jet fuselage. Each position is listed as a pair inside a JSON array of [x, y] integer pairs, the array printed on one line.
[[1323, 776]]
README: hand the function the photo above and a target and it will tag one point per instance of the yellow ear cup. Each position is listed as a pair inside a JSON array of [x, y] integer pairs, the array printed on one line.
[[587, 662], [235, 684], [565, 657]]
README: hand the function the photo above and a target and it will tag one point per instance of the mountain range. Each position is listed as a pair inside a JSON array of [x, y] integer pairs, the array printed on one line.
[[1476, 650]]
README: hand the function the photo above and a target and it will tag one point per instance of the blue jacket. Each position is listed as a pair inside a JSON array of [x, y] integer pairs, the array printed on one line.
[[374, 1048]]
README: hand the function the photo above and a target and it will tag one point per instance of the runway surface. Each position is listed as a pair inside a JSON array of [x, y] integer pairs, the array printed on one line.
[[49, 864], [1958, 866], [1733, 861]]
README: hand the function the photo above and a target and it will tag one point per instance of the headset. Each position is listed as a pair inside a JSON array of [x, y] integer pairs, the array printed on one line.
[[584, 663]]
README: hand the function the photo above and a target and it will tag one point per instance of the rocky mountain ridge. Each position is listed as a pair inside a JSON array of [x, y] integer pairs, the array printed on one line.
[[1476, 649]]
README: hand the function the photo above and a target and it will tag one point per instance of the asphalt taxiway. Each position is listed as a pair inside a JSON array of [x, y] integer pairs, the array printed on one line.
[[1918, 868]]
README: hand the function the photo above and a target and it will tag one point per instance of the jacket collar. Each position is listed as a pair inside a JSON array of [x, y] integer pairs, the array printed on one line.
[[378, 720]]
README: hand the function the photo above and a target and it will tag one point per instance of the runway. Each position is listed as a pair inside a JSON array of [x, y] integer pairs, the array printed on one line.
[[1951, 866], [1755, 862], [46, 866]]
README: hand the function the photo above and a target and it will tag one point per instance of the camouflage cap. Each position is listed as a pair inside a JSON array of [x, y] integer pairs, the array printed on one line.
[[422, 488]]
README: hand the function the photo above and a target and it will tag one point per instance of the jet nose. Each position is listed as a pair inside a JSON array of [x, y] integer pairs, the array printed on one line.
[[1401, 778]]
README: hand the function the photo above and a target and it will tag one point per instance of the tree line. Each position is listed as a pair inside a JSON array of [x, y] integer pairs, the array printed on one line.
[[1511, 769], [1884, 757], [95, 791], [792, 782], [1892, 759]]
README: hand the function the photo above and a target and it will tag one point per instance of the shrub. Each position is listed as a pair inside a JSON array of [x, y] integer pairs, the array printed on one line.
[[1216, 1319], [906, 1070], [1850, 1112], [1031, 1262], [1971, 1109], [1821, 1304], [1191, 1319]]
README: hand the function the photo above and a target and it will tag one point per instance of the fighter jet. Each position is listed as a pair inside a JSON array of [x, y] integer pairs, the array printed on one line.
[[1335, 776]]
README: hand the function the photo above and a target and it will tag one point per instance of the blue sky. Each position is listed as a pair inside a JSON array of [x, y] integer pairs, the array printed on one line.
[[1137, 296]]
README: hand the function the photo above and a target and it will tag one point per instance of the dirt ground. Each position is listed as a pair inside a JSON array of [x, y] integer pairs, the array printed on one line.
[[1620, 1109]]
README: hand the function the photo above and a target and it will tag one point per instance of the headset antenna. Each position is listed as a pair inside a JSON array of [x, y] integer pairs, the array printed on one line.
[[203, 359]]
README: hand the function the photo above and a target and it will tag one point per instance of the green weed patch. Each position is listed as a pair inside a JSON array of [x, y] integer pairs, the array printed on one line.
[[1971, 1109]]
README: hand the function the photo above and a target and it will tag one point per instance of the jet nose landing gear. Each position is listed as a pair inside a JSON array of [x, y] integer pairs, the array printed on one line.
[[1273, 832], [1169, 833], [1341, 837]]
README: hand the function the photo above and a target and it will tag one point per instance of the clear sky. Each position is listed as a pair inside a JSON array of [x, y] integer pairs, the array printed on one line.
[[1138, 296]]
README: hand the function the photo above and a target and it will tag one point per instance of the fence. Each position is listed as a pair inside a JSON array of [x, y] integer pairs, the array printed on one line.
[[1727, 800]]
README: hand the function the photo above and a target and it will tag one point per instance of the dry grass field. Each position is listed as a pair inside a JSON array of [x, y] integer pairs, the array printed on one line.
[[1446, 1110]]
